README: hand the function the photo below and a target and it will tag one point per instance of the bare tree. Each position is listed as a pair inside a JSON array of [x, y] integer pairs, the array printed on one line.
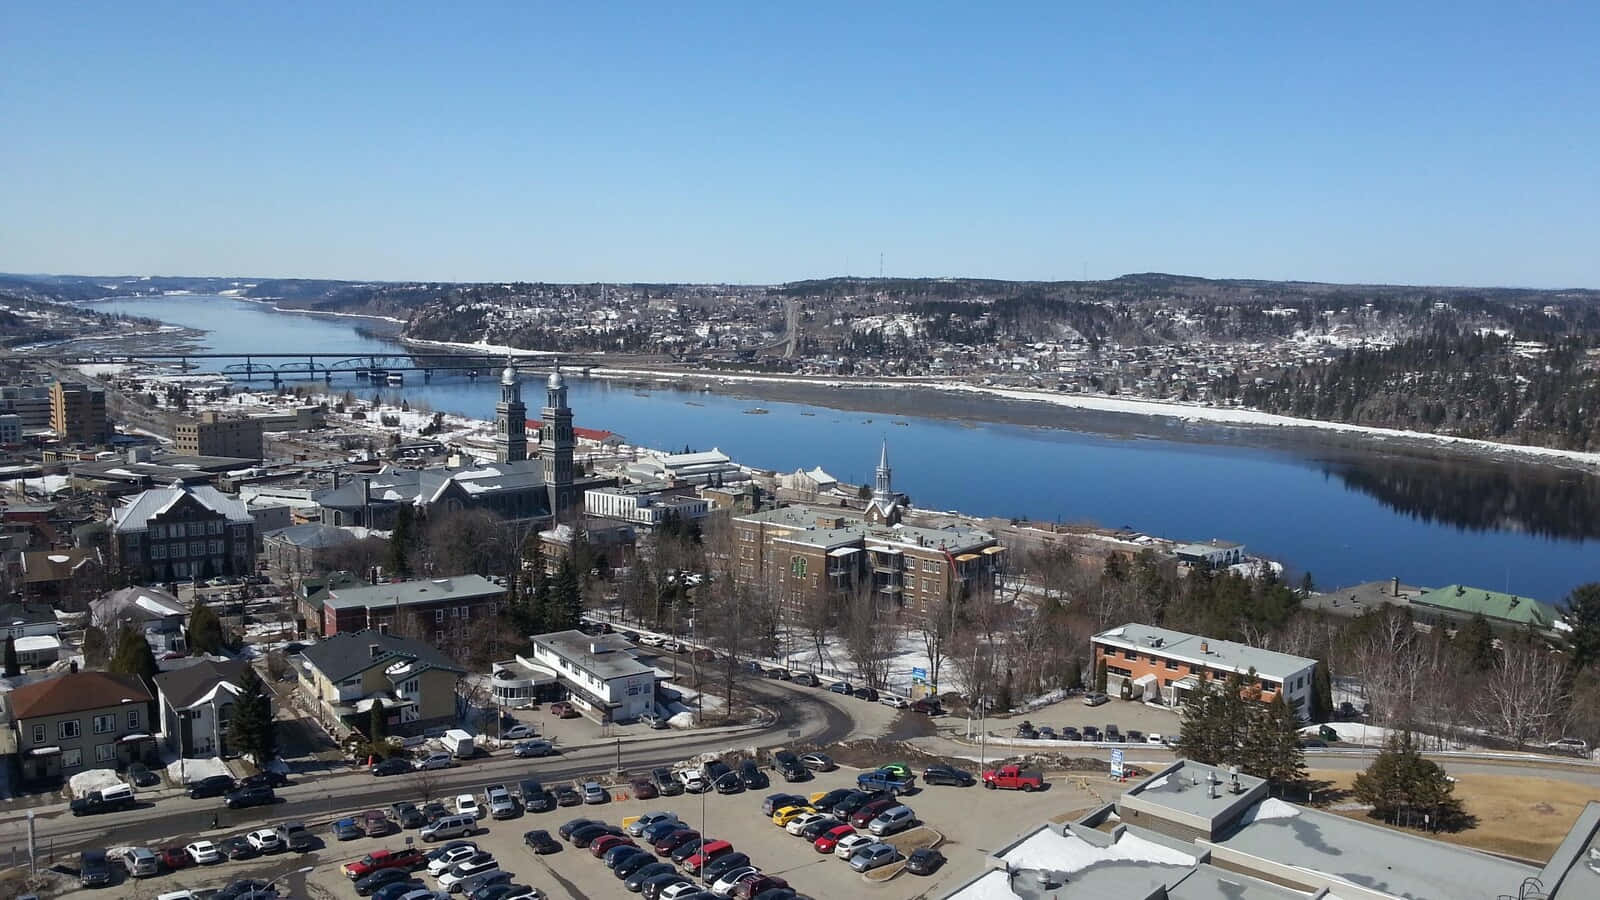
[[869, 635], [1525, 692], [937, 630], [426, 782]]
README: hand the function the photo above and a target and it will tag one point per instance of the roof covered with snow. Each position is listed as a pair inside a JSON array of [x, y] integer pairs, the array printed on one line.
[[135, 514]]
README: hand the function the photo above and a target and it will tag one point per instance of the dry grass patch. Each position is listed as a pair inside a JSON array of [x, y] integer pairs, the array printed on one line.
[[1518, 815]]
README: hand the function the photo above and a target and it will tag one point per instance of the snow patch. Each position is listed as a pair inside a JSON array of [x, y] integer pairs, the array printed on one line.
[[1271, 808], [1050, 849], [87, 782]]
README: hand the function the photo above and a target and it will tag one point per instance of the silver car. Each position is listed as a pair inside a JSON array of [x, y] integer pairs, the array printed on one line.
[[872, 856]]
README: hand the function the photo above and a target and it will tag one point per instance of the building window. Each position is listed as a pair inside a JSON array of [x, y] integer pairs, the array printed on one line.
[[105, 752], [216, 547], [797, 566], [158, 551], [103, 724], [1172, 665], [438, 615], [197, 548], [71, 758], [38, 734], [466, 612], [215, 526], [68, 729], [1130, 655], [133, 718]]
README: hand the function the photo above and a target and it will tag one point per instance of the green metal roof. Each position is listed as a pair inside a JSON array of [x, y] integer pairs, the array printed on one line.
[[1491, 605]]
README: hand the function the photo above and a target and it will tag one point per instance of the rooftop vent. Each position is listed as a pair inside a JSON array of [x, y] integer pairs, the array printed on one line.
[[374, 650]]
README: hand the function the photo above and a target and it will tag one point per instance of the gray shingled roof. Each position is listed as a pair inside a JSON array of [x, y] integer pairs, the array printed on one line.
[[134, 514], [183, 687], [350, 652]]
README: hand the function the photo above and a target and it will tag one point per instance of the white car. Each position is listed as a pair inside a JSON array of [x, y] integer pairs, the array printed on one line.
[[265, 840], [204, 853], [675, 891], [850, 843], [499, 801], [638, 826], [518, 733], [468, 805], [450, 857], [799, 823], [652, 640], [894, 701], [525, 893], [693, 782], [731, 879], [461, 871]]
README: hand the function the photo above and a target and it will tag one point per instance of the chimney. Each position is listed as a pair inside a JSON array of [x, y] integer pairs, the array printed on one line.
[[374, 650], [1394, 585], [336, 479], [1205, 646]]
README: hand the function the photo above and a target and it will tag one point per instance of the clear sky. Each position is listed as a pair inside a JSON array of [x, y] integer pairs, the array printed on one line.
[[1450, 143]]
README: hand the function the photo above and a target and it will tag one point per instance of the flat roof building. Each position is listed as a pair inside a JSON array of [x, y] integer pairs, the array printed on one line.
[[601, 673], [1166, 666], [78, 413], [212, 434]]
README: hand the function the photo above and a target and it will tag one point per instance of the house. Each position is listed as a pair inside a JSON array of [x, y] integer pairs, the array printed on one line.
[[77, 721], [433, 606], [62, 577], [348, 673], [600, 673], [303, 549], [20, 620], [1165, 666], [646, 504], [152, 611], [1456, 604], [1212, 554], [182, 532], [196, 704]]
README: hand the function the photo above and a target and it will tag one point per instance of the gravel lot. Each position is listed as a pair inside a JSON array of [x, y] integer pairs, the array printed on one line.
[[972, 821]]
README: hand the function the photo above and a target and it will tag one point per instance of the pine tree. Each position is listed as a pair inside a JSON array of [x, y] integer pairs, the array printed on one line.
[[564, 608], [1321, 693], [96, 649], [13, 668], [134, 657], [1100, 675], [377, 722], [252, 730], [1475, 642], [400, 539], [1226, 724], [1582, 612], [205, 629], [1274, 751], [1403, 787]]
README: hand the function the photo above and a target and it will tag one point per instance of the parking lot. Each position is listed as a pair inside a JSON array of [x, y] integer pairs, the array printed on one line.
[[1126, 715], [971, 821]]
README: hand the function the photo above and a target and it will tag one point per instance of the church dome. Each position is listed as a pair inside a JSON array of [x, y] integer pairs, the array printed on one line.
[[508, 375], [556, 382]]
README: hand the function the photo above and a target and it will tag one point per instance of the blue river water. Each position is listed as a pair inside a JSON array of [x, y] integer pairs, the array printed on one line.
[[1346, 514]]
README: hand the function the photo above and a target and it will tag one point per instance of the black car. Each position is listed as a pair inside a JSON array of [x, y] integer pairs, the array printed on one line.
[[540, 842], [774, 802], [586, 835], [715, 769], [567, 795], [789, 766], [665, 783], [942, 774], [652, 887], [866, 693], [617, 855], [302, 841], [925, 861], [396, 890], [266, 779], [567, 828], [636, 863], [816, 829], [1091, 733], [779, 673], [635, 882], [211, 786], [752, 776], [729, 783], [722, 865], [242, 888], [250, 796], [1027, 731], [94, 869], [369, 883], [496, 891], [689, 848], [1135, 736], [434, 810], [653, 835], [407, 815], [1070, 733], [852, 801], [237, 847], [141, 776], [394, 765], [827, 801], [535, 798]]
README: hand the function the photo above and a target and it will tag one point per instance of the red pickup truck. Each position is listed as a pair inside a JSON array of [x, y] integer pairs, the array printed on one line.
[[1013, 778], [384, 859]]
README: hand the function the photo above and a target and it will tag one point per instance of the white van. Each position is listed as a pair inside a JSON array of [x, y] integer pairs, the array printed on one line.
[[447, 827]]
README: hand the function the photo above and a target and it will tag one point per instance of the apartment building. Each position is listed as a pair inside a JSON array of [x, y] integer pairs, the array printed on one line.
[[182, 532], [78, 413], [1165, 666], [77, 721], [212, 434]]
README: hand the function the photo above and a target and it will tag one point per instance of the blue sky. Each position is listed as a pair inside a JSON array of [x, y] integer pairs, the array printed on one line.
[[1449, 143]]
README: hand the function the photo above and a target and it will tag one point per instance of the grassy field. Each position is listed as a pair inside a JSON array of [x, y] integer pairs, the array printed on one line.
[[1517, 815]]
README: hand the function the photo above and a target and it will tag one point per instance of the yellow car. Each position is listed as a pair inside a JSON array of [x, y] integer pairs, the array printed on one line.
[[783, 816]]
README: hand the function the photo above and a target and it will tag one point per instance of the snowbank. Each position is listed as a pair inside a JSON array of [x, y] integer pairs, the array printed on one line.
[[1270, 808], [1049, 849], [188, 771], [91, 780]]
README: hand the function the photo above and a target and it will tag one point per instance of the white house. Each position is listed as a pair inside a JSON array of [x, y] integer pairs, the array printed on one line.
[[599, 672], [153, 611], [1213, 554], [648, 504], [196, 706]]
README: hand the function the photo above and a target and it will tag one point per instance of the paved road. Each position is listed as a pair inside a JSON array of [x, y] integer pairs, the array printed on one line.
[[800, 716]]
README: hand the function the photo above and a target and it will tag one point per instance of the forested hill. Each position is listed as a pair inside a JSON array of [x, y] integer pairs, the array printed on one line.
[[1477, 385]]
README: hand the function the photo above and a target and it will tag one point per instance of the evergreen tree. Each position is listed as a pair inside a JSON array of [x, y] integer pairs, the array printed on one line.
[[1273, 748], [1100, 675], [1475, 644], [252, 730], [96, 649], [1321, 693], [134, 657], [564, 607], [400, 540], [1227, 724], [1582, 612], [13, 668], [1403, 787], [205, 630], [377, 722]]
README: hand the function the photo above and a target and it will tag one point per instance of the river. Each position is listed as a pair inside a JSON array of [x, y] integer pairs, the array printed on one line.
[[1346, 511]]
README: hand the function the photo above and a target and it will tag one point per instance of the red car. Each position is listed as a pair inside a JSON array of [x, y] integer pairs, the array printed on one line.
[[561, 709], [383, 859], [869, 812], [600, 845], [830, 838], [174, 858]]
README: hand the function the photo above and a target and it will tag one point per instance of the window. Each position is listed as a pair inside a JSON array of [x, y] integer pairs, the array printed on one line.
[[71, 758], [70, 728], [197, 548], [438, 615], [215, 526], [455, 612], [797, 566], [1119, 671], [38, 734], [105, 752], [1130, 655], [466, 612], [1172, 665], [105, 723], [216, 547], [158, 551], [133, 718]]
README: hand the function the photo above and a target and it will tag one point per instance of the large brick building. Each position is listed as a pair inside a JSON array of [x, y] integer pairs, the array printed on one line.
[[1165, 666], [429, 607], [182, 532], [216, 435], [78, 413]]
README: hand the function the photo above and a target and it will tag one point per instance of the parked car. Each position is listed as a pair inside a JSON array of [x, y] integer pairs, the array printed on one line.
[[808, 679], [1095, 698], [870, 811], [518, 733], [598, 847], [270, 778], [568, 827], [468, 805], [872, 856], [728, 783], [749, 888], [376, 823], [407, 860], [211, 786], [799, 823], [665, 846], [635, 882], [561, 709], [174, 858], [819, 825], [1026, 731], [852, 801], [924, 861], [1070, 733], [398, 889], [540, 842], [296, 836], [346, 829], [894, 782], [828, 840], [638, 826], [842, 687], [470, 885], [593, 793], [237, 847], [203, 853], [434, 810], [751, 775], [1574, 746], [140, 862], [1013, 778], [665, 783], [693, 782], [943, 774], [588, 834], [725, 883], [789, 766], [893, 820], [406, 814], [722, 863], [866, 693], [476, 864], [818, 762], [774, 802], [141, 776], [566, 795], [533, 749], [642, 788], [94, 869], [500, 804], [1091, 733], [708, 852], [788, 814], [894, 700], [393, 765], [441, 860], [436, 760]]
